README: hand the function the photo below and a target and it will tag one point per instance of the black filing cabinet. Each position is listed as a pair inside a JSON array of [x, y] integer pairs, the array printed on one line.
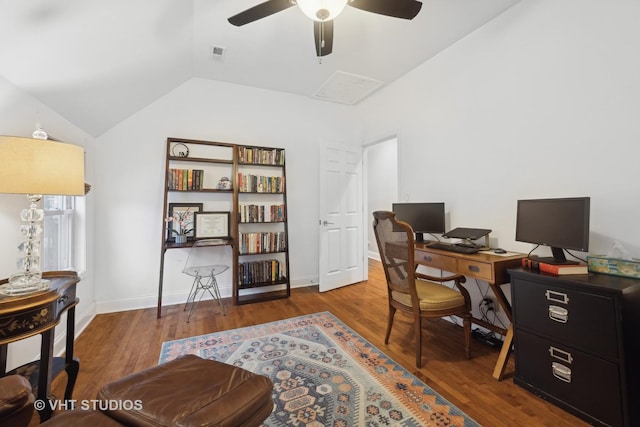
[[577, 343]]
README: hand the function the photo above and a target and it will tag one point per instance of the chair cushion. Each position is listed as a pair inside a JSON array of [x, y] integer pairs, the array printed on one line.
[[190, 391], [433, 296]]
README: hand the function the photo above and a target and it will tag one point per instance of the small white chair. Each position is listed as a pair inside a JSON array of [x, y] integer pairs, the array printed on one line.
[[199, 266]]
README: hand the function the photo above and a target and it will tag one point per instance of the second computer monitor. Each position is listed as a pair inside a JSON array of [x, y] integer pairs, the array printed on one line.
[[422, 217]]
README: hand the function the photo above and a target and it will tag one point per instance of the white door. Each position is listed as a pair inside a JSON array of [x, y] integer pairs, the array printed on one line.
[[341, 217]]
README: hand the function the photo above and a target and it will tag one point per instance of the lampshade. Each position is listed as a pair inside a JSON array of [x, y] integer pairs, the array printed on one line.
[[36, 166], [322, 10]]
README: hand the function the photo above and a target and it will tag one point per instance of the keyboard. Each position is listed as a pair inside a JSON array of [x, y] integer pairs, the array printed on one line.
[[454, 248]]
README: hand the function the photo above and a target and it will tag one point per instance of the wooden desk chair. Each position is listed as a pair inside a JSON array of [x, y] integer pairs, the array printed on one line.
[[418, 295]]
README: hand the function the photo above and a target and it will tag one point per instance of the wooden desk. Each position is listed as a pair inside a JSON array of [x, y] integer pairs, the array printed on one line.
[[487, 267], [27, 315]]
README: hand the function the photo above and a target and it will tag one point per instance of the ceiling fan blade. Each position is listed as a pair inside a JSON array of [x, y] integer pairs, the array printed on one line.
[[406, 9], [260, 11], [323, 36]]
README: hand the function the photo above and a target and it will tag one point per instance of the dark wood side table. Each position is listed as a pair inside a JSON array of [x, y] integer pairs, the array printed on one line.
[[38, 313]]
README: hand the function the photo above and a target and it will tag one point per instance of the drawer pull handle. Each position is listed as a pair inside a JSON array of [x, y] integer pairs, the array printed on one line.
[[561, 372], [474, 268], [557, 297], [427, 258], [565, 356], [558, 314], [63, 299]]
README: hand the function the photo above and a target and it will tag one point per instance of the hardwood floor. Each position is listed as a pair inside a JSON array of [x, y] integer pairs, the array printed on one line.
[[117, 344]]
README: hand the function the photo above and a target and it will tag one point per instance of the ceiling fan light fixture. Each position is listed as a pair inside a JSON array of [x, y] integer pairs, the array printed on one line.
[[322, 10]]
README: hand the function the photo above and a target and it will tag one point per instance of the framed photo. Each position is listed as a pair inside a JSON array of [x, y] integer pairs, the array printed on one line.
[[181, 218], [212, 225]]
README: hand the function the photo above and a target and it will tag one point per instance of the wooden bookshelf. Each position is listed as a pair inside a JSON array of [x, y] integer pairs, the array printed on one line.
[[261, 182], [194, 171]]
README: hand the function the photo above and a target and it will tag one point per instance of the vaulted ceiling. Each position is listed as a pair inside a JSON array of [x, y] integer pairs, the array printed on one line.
[[97, 62]]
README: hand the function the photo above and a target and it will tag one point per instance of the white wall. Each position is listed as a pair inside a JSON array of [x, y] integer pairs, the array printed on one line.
[[19, 114], [543, 101], [131, 176]]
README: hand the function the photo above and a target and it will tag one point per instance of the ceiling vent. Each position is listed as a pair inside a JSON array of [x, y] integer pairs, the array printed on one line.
[[346, 88], [217, 52]]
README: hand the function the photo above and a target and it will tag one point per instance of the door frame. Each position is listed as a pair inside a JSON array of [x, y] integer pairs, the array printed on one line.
[[366, 184]]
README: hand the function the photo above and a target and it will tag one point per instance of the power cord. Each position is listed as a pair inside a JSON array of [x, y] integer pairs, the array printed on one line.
[[486, 306], [575, 256], [487, 309], [566, 250]]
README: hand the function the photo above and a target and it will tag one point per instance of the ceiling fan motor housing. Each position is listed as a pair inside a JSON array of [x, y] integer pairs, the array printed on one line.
[[322, 10], [322, 14]]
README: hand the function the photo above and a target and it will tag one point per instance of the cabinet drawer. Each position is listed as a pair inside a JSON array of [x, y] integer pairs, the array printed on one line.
[[480, 270], [582, 320], [438, 261], [584, 382], [67, 298]]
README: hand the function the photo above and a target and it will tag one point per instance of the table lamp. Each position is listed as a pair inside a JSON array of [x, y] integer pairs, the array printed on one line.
[[36, 166]]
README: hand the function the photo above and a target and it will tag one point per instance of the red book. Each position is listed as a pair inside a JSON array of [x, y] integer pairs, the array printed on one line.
[[562, 269]]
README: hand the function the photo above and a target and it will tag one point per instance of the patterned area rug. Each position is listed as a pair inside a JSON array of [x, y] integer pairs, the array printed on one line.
[[324, 374]]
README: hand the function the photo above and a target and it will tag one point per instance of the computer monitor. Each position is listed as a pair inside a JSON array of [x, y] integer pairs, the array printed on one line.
[[558, 223], [422, 217]]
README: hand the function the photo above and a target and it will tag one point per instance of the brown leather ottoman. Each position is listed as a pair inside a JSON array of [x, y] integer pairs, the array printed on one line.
[[16, 401], [79, 417], [190, 391]]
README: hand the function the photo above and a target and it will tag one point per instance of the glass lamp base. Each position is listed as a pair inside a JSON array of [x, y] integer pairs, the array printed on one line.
[[24, 283]]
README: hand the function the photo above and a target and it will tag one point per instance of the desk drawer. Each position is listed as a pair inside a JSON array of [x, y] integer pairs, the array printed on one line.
[[438, 261], [479, 270]]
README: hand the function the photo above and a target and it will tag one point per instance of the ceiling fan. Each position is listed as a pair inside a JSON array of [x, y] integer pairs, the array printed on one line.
[[324, 11]]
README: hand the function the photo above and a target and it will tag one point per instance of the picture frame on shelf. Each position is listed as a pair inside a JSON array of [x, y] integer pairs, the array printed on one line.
[[183, 217], [211, 225]]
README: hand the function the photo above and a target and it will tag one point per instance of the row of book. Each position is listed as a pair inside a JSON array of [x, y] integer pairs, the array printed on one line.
[[556, 269], [262, 213], [261, 156], [248, 183], [185, 179], [263, 242], [259, 272]]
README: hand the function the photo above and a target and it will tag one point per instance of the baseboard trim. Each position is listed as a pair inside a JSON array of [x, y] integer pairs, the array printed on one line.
[[150, 301]]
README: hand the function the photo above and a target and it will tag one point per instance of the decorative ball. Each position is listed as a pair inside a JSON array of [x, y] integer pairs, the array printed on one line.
[[224, 183]]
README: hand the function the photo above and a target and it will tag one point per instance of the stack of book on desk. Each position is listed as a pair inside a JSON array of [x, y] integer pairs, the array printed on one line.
[[557, 269]]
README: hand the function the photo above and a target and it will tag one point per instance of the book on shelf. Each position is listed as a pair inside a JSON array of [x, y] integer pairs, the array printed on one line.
[[261, 213], [261, 156], [255, 272], [264, 242], [248, 183], [556, 269], [185, 179]]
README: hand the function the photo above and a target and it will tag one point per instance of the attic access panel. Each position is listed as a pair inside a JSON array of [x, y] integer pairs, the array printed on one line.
[[346, 88]]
